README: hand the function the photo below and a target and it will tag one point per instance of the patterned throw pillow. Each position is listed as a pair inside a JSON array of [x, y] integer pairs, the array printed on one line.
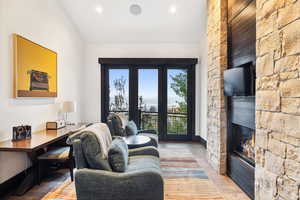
[[131, 128], [117, 125], [92, 152], [118, 155]]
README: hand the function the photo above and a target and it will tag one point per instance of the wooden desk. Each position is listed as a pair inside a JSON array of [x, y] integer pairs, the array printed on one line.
[[31, 146], [39, 140]]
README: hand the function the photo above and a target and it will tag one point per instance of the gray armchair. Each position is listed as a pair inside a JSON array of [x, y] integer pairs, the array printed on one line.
[[117, 128], [80, 162], [104, 185], [142, 179]]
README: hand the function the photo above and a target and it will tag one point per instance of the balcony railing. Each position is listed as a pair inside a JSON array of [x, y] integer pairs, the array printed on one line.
[[177, 122], [148, 120]]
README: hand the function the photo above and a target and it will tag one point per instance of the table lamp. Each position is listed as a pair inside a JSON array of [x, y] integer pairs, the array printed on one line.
[[68, 107]]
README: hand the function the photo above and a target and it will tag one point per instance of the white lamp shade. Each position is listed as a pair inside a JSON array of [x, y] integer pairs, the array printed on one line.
[[69, 106]]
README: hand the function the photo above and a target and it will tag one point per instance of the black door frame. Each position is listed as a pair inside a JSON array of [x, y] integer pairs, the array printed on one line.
[[162, 64]]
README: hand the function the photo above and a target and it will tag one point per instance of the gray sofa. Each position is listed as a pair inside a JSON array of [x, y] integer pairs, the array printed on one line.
[[117, 124], [142, 179]]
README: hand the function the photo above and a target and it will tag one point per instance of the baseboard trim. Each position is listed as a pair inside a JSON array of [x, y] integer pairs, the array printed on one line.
[[11, 184], [199, 139]]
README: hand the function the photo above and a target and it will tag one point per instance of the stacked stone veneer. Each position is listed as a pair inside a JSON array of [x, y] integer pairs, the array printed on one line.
[[278, 100], [217, 63]]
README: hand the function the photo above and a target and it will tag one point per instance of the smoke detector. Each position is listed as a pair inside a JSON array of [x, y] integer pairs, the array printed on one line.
[[135, 9]]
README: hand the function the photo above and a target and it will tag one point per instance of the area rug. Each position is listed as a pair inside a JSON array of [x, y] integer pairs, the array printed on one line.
[[184, 179]]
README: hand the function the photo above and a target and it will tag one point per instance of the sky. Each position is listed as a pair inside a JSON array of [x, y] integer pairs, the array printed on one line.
[[148, 84]]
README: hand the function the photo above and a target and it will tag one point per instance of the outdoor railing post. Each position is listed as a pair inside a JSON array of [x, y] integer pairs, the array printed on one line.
[[140, 119]]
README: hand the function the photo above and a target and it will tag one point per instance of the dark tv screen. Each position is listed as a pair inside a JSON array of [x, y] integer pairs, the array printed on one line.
[[237, 81]]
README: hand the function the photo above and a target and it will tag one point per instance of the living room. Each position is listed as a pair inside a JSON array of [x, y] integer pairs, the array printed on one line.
[[149, 99]]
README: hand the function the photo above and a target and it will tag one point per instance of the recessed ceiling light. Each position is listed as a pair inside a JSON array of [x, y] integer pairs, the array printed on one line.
[[135, 9], [173, 9], [99, 9]]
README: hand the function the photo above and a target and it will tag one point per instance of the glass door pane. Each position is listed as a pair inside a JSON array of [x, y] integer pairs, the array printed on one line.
[[177, 102], [119, 91], [148, 98]]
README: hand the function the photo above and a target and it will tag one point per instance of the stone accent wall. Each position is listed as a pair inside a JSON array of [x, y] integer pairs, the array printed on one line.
[[217, 63], [278, 100]]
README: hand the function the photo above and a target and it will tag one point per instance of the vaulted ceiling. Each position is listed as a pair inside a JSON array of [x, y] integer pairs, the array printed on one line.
[[163, 21]]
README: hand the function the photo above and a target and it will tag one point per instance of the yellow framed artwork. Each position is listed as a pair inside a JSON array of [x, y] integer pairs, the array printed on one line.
[[35, 69]]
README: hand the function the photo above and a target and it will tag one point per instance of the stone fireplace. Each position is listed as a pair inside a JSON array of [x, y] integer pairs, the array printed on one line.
[[217, 63], [278, 100], [277, 130]]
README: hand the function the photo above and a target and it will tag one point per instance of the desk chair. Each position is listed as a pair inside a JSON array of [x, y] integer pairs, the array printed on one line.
[[56, 154]]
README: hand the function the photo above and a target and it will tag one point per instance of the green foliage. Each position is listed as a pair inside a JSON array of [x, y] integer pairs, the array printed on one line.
[[177, 124], [179, 86], [120, 102]]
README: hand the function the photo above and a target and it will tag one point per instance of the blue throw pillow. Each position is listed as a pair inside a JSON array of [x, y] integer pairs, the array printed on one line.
[[131, 128], [118, 155]]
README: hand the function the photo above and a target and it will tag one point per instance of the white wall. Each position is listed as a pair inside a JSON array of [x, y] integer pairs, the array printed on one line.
[[147, 49], [92, 96], [45, 23], [203, 74]]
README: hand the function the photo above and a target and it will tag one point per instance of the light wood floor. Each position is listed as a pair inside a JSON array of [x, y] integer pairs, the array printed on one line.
[[225, 185], [228, 189]]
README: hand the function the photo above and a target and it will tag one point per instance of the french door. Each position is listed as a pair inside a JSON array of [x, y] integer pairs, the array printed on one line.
[[156, 95]]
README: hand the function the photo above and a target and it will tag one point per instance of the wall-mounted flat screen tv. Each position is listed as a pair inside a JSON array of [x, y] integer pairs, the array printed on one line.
[[237, 81]]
